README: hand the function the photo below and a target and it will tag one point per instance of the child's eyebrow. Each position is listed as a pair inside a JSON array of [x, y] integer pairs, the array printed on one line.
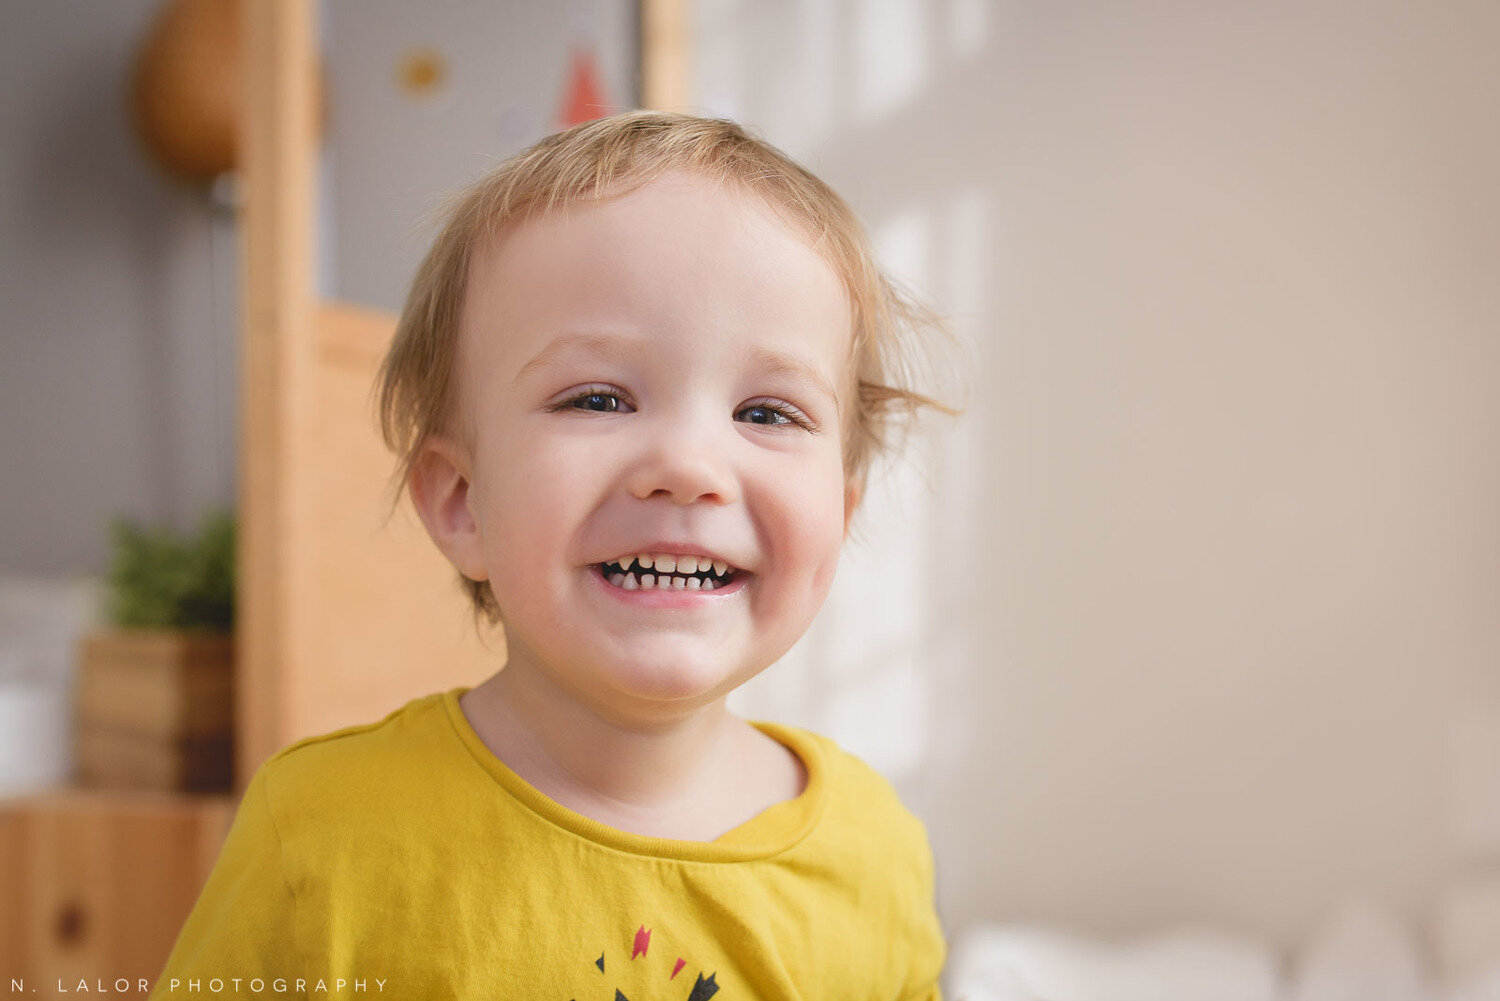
[[605, 345], [776, 363]]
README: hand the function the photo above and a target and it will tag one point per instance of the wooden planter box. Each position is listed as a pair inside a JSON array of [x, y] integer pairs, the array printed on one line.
[[155, 710]]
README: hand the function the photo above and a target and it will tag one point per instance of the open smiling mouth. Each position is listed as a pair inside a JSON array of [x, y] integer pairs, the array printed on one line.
[[681, 573]]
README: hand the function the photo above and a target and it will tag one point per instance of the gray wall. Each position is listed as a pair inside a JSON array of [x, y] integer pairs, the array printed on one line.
[[392, 157], [117, 331]]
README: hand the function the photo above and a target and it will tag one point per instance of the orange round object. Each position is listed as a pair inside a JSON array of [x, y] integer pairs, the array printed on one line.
[[422, 72], [185, 96]]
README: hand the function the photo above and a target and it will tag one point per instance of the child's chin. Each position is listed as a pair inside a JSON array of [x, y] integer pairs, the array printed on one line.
[[667, 678]]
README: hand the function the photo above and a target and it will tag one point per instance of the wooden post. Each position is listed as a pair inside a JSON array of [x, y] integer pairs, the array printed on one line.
[[277, 156], [666, 55]]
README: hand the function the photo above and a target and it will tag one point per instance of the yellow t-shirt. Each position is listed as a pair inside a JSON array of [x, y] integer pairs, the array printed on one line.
[[402, 859]]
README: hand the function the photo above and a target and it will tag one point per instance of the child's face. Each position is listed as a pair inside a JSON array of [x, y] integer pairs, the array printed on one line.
[[664, 372]]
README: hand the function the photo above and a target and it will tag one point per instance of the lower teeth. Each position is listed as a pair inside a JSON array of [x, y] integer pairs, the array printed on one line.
[[665, 582]]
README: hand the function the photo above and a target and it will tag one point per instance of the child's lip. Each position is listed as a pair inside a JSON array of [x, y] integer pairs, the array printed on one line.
[[655, 598]]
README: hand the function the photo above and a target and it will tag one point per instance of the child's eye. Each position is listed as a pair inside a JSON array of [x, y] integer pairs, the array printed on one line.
[[607, 402], [595, 399], [773, 413]]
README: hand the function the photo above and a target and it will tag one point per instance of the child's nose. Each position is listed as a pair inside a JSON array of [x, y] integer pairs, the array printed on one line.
[[684, 464]]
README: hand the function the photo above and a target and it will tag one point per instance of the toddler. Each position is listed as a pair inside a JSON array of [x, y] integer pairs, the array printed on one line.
[[634, 392]]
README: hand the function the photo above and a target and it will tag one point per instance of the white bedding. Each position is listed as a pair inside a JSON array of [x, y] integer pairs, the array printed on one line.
[[1362, 952]]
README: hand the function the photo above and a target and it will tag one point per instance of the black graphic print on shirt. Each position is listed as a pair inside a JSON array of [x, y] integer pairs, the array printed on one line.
[[648, 977]]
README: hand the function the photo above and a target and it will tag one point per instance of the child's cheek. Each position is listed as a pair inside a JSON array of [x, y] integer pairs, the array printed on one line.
[[820, 528], [521, 509]]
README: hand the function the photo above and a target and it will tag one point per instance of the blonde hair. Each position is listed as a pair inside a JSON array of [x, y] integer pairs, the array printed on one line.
[[609, 157]]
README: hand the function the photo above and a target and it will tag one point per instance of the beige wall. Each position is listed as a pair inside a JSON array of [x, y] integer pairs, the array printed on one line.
[[1210, 572]]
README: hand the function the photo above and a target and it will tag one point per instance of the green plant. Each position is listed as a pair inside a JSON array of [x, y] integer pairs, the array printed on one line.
[[161, 579]]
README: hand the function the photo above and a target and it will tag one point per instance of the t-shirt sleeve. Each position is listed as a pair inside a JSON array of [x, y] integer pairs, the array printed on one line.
[[243, 925], [928, 951]]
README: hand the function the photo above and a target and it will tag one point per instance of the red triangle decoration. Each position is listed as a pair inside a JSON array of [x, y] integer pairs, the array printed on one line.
[[585, 99]]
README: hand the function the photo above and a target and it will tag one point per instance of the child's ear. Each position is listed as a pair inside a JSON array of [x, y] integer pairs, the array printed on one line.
[[439, 485], [853, 492]]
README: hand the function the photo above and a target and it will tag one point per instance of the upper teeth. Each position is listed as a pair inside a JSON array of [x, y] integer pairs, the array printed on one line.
[[669, 563]]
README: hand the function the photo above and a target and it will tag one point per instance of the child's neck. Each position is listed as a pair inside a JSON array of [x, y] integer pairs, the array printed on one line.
[[690, 777]]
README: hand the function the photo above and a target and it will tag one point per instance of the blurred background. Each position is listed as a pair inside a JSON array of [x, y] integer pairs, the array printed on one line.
[[1182, 640]]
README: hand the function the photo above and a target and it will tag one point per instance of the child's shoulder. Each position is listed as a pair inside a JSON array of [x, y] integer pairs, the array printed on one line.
[[414, 720], [858, 795], [410, 747]]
